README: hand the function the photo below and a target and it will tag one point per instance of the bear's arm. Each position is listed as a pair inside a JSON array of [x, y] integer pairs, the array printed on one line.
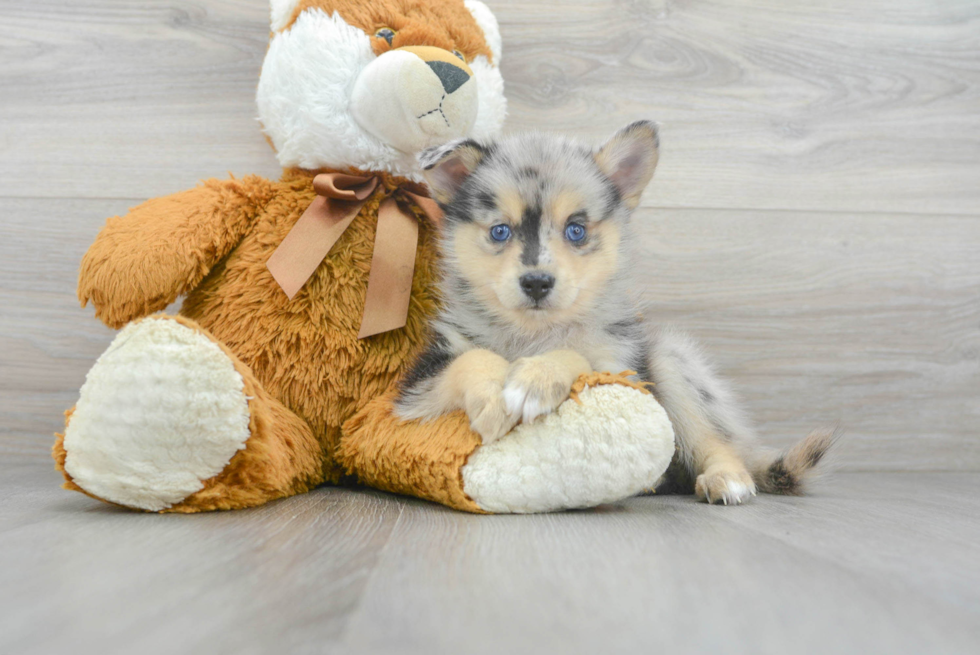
[[162, 249]]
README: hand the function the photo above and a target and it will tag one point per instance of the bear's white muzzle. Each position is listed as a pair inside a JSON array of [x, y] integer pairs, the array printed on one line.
[[415, 97]]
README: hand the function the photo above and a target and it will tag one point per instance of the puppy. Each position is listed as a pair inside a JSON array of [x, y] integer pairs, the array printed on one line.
[[537, 289]]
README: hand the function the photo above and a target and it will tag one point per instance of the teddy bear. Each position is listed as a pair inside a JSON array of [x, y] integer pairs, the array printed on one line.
[[305, 299]]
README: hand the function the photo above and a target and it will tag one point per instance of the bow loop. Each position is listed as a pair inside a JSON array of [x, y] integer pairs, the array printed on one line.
[[340, 186], [340, 197]]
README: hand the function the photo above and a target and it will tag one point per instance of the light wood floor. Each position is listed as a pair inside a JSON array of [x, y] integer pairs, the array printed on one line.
[[872, 563], [815, 220]]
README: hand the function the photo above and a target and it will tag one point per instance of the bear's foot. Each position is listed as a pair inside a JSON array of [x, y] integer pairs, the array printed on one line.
[[610, 441], [162, 410], [614, 443], [169, 420]]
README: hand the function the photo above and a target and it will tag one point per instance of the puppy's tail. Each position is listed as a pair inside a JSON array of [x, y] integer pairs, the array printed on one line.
[[788, 472]]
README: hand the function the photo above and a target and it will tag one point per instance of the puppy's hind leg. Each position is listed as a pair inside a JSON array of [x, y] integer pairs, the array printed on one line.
[[705, 419], [723, 478]]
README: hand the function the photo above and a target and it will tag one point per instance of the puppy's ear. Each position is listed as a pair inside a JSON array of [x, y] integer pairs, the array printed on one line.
[[629, 158], [446, 167]]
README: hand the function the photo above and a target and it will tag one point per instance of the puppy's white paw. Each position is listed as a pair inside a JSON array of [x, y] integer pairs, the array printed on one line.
[[725, 486], [488, 413], [535, 386]]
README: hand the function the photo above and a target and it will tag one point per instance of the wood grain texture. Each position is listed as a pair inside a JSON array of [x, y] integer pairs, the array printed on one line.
[[281, 578], [47, 342], [793, 105], [869, 563], [115, 99], [867, 319], [655, 574], [870, 320], [814, 219], [825, 105]]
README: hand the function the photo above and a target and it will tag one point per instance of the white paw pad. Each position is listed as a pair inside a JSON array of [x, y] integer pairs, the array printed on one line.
[[613, 445], [162, 410]]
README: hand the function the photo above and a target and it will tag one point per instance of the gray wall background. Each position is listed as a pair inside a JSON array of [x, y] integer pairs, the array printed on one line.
[[814, 219]]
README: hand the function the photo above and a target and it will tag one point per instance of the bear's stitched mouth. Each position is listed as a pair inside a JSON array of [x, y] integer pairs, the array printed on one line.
[[437, 109], [441, 113]]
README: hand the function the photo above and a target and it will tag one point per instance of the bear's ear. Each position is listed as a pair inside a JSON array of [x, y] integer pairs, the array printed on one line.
[[488, 23], [629, 158], [446, 167], [281, 12]]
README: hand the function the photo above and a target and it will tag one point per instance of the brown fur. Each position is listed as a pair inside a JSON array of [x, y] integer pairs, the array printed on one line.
[[283, 457], [415, 458], [60, 455], [305, 370], [164, 247], [424, 459], [436, 23], [304, 366], [787, 473]]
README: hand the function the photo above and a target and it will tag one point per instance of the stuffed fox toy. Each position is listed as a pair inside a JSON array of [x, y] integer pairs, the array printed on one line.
[[303, 305]]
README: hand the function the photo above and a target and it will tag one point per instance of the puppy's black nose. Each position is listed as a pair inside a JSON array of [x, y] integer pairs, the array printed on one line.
[[452, 77], [537, 285]]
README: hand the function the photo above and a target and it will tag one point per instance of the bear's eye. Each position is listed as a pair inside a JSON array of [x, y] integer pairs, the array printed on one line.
[[386, 33], [574, 232], [459, 54], [500, 232]]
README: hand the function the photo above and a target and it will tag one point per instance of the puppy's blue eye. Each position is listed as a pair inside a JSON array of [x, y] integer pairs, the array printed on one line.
[[500, 232], [574, 232]]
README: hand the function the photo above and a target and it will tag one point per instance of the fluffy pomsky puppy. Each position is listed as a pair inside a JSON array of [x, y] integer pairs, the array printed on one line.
[[537, 287]]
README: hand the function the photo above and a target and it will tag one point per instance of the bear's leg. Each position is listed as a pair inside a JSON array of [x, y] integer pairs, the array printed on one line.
[[611, 440], [170, 420]]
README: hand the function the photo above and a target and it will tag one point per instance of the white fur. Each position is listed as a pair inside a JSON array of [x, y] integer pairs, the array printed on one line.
[[162, 410], [304, 93], [514, 399], [492, 108], [617, 443], [281, 10], [522, 404], [532, 409], [488, 23], [399, 99], [735, 493]]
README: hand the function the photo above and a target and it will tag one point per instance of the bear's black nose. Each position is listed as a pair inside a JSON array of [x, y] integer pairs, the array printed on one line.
[[452, 77], [537, 285]]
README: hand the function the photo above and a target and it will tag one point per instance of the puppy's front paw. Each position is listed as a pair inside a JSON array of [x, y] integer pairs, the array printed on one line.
[[730, 486], [487, 411], [535, 386]]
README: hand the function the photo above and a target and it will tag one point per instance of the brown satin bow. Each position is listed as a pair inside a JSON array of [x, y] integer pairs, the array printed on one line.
[[339, 198]]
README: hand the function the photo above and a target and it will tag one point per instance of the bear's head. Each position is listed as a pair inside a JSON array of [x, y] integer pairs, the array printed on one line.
[[368, 84]]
